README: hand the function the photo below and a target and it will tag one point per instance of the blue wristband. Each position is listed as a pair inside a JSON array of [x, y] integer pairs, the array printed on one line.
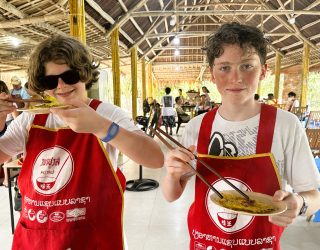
[[112, 132]]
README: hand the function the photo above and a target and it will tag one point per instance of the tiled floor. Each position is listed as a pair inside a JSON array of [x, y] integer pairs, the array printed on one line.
[[153, 224]]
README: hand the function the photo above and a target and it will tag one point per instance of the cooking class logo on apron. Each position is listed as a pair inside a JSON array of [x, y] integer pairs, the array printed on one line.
[[227, 221], [52, 170]]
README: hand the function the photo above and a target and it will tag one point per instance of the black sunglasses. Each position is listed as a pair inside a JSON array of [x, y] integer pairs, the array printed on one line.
[[70, 77]]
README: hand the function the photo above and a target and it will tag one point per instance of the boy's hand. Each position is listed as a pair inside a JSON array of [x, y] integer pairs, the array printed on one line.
[[81, 118], [176, 162], [294, 203], [5, 106]]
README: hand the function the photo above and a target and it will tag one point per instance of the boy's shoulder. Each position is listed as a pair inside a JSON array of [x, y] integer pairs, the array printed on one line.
[[286, 116]]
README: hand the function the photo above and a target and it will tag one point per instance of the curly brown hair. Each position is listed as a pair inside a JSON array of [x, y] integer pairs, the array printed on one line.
[[234, 33], [61, 49]]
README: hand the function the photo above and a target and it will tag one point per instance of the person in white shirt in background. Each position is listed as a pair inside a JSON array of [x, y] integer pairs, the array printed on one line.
[[168, 111], [292, 102]]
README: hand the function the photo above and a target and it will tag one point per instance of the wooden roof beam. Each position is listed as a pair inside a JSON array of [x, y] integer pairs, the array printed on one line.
[[288, 26], [186, 34], [107, 17], [22, 38], [12, 9], [219, 4], [31, 20], [179, 20], [125, 17], [225, 12]]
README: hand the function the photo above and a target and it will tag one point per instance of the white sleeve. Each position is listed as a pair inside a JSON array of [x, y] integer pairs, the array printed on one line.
[[14, 140], [302, 172], [117, 115], [300, 169], [191, 132]]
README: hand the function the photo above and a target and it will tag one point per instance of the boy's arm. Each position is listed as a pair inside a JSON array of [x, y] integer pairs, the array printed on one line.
[[294, 204], [312, 199], [136, 145]]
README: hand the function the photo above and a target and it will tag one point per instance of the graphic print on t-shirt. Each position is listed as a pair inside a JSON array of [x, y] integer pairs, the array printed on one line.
[[167, 101], [238, 141], [52, 170], [219, 147]]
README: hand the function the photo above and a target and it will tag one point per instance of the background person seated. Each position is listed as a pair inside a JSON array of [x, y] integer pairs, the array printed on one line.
[[292, 102], [180, 112], [271, 100], [202, 105]]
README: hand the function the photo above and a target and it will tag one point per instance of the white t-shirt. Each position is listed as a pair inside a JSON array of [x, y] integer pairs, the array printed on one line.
[[290, 146], [296, 103], [14, 141], [167, 103]]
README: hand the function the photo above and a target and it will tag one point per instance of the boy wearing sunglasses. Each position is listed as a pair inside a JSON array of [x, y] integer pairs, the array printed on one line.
[[71, 187], [255, 146]]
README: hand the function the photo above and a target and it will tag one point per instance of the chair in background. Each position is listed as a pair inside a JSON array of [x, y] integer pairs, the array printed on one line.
[[300, 112], [314, 140], [179, 122], [313, 120]]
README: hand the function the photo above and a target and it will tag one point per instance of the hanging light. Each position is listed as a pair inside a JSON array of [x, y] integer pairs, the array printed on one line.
[[173, 21], [15, 41], [176, 40], [176, 52], [292, 19]]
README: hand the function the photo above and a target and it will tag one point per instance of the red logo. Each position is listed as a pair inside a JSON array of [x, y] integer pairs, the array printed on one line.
[[56, 216]]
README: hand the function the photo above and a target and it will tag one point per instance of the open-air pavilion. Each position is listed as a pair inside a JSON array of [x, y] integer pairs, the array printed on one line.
[[145, 45]]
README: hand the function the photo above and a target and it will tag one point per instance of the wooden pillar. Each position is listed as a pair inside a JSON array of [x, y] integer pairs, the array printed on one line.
[[305, 74], [258, 91], [277, 76], [154, 88], [116, 67], [143, 77], [134, 80], [77, 20], [150, 80]]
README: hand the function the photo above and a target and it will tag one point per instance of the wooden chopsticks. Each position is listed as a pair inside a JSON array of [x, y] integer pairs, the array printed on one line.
[[193, 169], [203, 163], [27, 100]]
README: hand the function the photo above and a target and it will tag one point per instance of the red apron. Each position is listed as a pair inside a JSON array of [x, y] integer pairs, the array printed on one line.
[[70, 201], [212, 227]]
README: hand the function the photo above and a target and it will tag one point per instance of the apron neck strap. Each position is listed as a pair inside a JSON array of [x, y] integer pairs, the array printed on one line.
[[205, 131], [266, 128], [41, 119], [265, 131]]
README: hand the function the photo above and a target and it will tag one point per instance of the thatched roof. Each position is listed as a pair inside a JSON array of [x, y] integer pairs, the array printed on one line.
[[146, 24]]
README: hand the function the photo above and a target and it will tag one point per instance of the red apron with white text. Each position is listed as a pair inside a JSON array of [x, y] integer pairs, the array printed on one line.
[[212, 227], [72, 198]]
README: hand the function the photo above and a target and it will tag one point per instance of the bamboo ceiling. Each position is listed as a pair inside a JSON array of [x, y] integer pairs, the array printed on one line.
[[146, 24]]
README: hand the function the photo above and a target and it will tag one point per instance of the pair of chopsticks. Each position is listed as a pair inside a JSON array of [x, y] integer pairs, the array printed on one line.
[[199, 160], [17, 100]]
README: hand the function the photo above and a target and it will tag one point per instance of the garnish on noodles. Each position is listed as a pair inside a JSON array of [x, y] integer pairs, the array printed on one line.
[[53, 103], [239, 203]]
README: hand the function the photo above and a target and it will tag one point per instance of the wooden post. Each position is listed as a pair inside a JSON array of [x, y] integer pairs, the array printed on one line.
[[143, 77], [134, 79], [77, 20], [277, 75], [305, 74], [259, 89], [116, 67], [150, 80]]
